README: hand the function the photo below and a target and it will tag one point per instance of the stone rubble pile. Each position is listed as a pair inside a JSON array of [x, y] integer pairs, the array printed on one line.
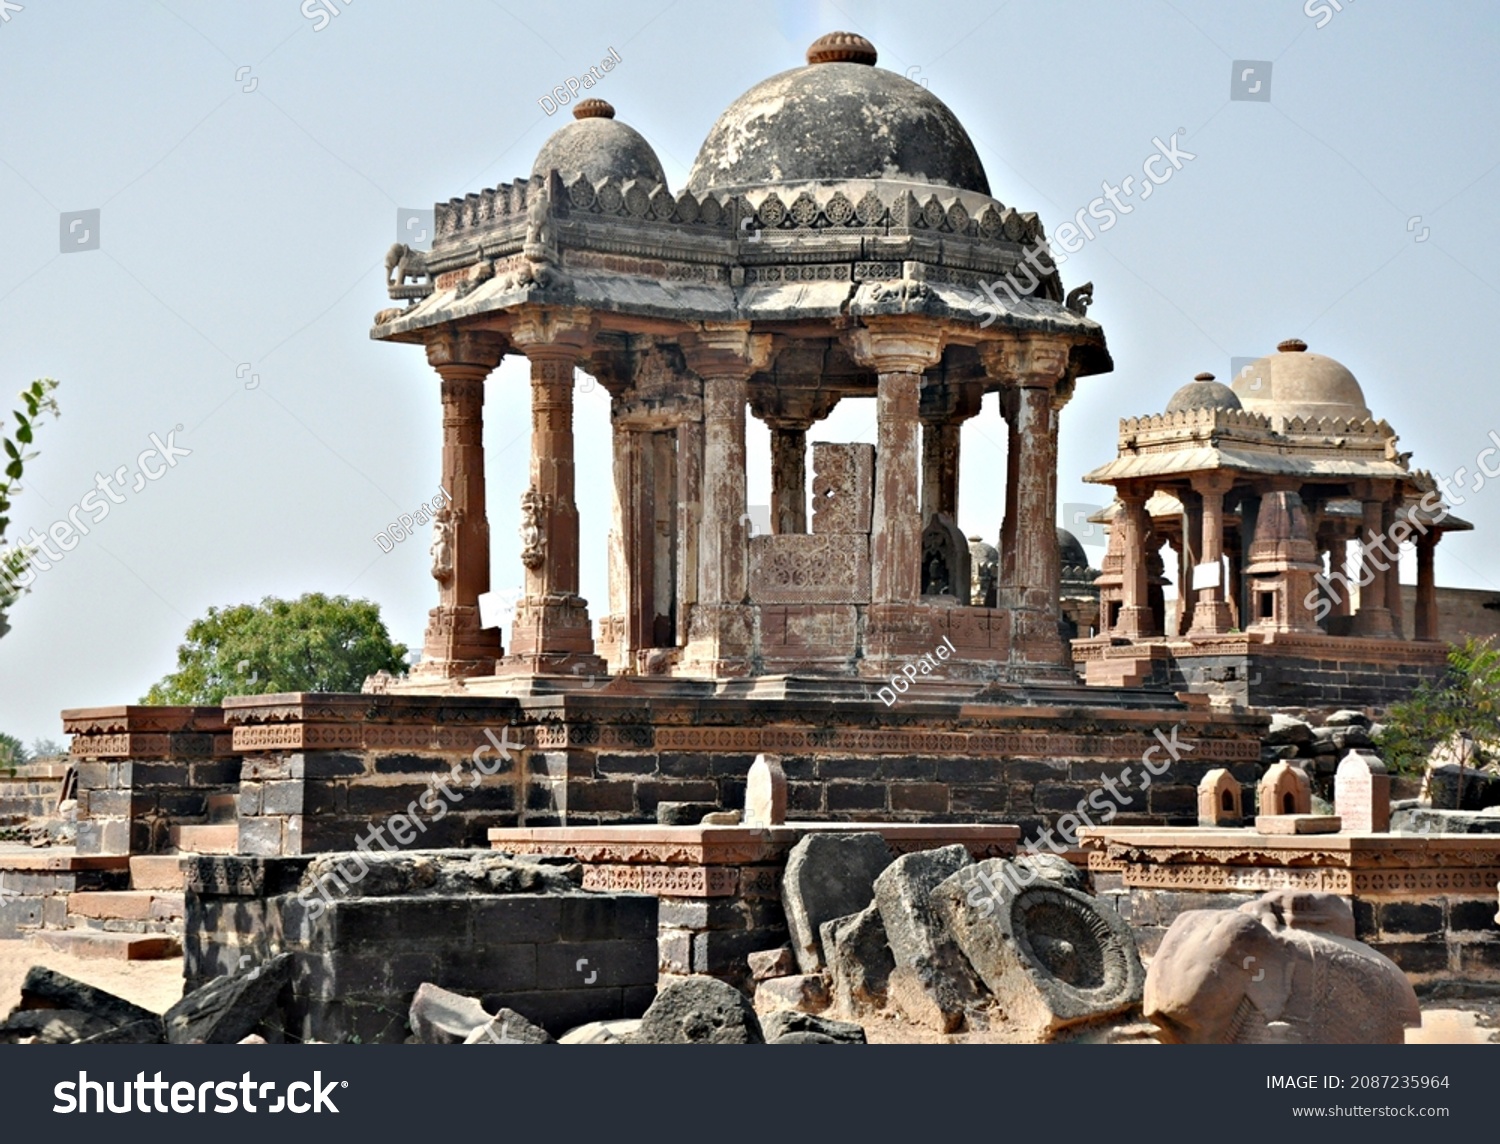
[[945, 942]]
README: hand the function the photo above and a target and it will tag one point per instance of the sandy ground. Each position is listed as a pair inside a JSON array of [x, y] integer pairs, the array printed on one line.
[[155, 985]]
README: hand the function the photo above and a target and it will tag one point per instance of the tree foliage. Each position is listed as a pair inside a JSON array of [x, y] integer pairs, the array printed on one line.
[[12, 753], [314, 643], [14, 559], [1467, 698]]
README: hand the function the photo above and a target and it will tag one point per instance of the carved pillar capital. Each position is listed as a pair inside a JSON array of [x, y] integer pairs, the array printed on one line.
[[543, 332], [455, 350], [726, 349], [895, 346], [1029, 361]]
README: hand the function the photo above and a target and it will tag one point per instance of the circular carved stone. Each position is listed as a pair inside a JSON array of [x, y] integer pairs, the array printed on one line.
[[841, 48]]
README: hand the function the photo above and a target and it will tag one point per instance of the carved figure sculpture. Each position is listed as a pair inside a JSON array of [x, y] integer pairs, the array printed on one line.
[[441, 548], [401, 263], [1285, 968], [533, 539]]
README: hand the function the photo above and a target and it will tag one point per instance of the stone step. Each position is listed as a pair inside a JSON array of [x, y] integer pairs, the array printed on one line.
[[130, 905], [114, 946], [155, 872], [1117, 671], [214, 838]]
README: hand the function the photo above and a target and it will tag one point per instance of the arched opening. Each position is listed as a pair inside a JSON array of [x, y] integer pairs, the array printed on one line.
[[1288, 803], [1226, 802]]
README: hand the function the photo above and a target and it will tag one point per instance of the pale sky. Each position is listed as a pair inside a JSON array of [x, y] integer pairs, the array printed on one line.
[[248, 170]]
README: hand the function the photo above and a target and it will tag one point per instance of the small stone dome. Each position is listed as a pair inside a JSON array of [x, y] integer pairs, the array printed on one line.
[[598, 146], [1294, 383], [1203, 392], [840, 117], [1070, 550]]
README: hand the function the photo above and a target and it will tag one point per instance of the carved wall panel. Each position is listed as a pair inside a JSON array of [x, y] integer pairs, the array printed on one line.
[[810, 569]]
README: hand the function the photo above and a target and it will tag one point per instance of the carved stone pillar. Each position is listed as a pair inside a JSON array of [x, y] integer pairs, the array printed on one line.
[[1427, 605], [454, 646], [1393, 574], [1038, 385], [1136, 621], [1373, 620], [944, 409], [1210, 606], [552, 633], [898, 352], [721, 633], [788, 480], [689, 520]]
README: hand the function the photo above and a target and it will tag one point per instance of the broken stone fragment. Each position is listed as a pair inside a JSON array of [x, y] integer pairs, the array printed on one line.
[[228, 1008], [112, 1017], [805, 991], [698, 1011], [828, 875], [789, 1023], [859, 961], [932, 983], [767, 963], [508, 1027], [601, 1033], [440, 1017]]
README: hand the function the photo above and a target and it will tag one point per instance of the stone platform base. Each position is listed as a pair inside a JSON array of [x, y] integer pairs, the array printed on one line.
[[1268, 669], [37, 883], [719, 887], [558, 955], [1426, 902]]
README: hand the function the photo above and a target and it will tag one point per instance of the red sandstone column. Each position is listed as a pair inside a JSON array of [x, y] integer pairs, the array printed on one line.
[[1373, 620], [689, 519], [552, 633], [1427, 606], [721, 633], [788, 480], [940, 448], [1210, 610], [899, 352], [454, 646], [1136, 620], [1036, 370], [1393, 576]]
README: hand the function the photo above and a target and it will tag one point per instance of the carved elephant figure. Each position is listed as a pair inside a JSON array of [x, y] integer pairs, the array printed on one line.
[[1285, 968]]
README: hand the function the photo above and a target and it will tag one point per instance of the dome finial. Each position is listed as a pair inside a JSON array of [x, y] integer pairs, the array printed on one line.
[[1203, 377], [593, 109], [1292, 346], [841, 48]]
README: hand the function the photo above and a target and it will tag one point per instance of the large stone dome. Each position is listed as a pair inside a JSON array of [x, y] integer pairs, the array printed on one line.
[[1203, 392], [1294, 383], [840, 117], [598, 146]]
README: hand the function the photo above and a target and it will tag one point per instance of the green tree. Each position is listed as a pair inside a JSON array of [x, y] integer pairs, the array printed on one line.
[[12, 753], [314, 643], [15, 559], [1467, 698]]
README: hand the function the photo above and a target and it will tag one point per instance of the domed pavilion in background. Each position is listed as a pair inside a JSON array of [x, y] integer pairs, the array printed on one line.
[[1260, 489], [830, 245]]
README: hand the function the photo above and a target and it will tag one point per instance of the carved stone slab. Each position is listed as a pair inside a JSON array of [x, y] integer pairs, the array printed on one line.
[[810, 569], [843, 487]]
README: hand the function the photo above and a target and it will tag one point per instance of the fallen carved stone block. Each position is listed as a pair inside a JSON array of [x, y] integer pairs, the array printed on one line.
[[1051, 955], [828, 876]]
